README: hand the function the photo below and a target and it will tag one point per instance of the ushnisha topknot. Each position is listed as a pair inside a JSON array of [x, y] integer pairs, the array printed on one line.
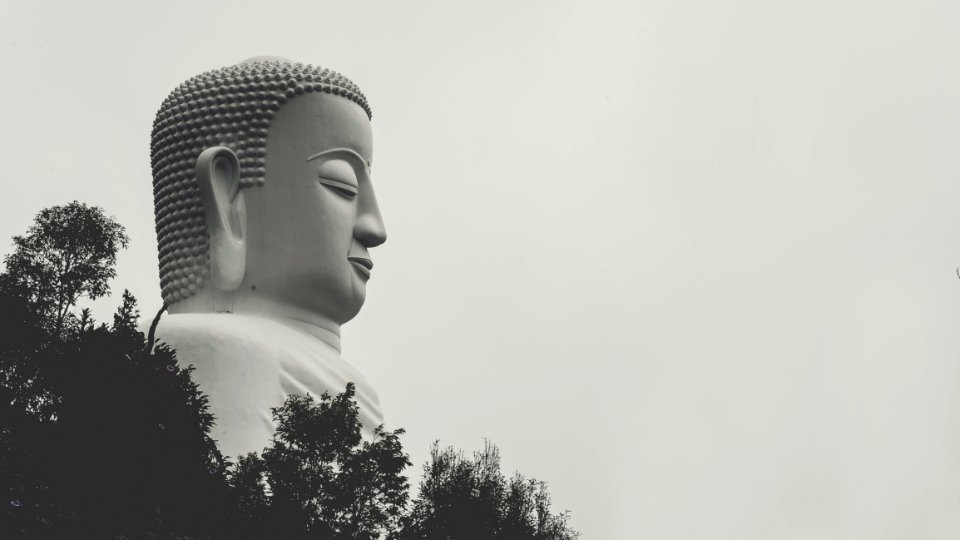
[[232, 107]]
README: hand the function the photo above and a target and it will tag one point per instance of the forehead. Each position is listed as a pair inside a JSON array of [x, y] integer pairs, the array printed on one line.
[[315, 122]]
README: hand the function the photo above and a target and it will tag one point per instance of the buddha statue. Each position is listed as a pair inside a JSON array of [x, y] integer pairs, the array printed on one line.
[[265, 215]]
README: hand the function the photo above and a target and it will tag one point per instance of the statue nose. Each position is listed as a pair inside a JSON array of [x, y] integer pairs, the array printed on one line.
[[369, 229]]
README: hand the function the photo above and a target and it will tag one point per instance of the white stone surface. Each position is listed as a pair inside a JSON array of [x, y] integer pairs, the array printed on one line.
[[248, 365]]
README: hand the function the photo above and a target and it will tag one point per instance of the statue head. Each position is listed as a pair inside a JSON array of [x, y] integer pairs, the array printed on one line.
[[262, 190]]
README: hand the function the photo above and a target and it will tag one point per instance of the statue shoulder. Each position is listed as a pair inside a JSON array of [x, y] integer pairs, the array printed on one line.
[[212, 335]]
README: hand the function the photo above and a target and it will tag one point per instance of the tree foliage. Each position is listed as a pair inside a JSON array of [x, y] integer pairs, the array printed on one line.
[[100, 435], [69, 252], [469, 499], [127, 315], [119, 448], [319, 478]]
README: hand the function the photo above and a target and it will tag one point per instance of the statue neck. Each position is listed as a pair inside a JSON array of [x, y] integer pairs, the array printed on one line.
[[330, 337], [256, 305]]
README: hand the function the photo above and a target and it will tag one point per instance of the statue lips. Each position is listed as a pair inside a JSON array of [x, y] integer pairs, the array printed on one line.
[[363, 264]]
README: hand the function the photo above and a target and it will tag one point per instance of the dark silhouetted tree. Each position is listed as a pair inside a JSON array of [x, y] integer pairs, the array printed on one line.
[[69, 252], [319, 478], [21, 355], [469, 499], [127, 315], [126, 320], [124, 449], [100, 437]]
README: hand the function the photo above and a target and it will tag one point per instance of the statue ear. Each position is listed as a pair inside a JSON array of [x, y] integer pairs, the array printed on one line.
[[218, 173]]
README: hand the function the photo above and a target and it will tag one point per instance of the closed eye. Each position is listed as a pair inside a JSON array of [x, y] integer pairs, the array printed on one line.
[[341, 188]]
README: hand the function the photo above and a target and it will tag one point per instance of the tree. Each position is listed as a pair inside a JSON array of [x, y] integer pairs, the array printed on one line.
[[21, 361], [127, 315], [122, 448], [319, 478], [125, 319], [69, 252], [101, 436], [469, 499]]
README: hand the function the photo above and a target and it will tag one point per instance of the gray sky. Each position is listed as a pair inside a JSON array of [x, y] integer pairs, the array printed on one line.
[[692, 263]]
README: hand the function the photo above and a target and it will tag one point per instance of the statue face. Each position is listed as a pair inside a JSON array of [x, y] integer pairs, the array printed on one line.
[[309, 227]]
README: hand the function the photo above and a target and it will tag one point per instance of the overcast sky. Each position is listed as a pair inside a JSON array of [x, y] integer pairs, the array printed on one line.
[[692, 263]]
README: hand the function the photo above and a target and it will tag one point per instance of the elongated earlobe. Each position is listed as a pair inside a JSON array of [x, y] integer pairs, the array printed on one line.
[[218, 175]]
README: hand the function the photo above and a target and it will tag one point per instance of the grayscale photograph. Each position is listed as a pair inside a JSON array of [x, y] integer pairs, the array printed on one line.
[[489, 270]]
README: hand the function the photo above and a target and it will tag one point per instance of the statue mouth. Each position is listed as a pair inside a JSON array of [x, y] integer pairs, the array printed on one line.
[[362, 264]]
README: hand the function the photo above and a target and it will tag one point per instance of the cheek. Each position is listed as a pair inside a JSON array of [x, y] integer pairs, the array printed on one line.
[[335, 220], [313, 225]]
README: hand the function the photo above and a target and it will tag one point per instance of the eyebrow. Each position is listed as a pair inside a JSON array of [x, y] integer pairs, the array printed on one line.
[[354, 153]]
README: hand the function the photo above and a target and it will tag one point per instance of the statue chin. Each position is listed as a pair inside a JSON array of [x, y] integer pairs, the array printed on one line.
[[247, 365]]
